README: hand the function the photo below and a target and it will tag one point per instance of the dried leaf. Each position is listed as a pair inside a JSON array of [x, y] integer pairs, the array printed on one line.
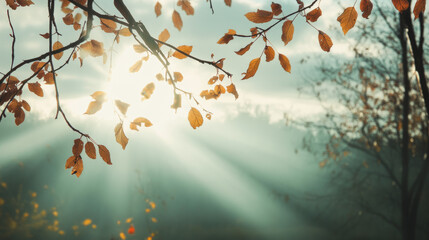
[[93, 48], [36, 89], [99, 96], [46, 35], [269, 53], [19, 115], [138, 121], [68, 19], [120, 136], [419, 8], [219, 89], [125, 32], [158, 7], [178, 77], [244, 50], [86, 222], [177, 101], [252, 69], [139, 48], [70, 162], [195, 118], [36, 66], [148, 91], [401, 5], [122, 106], [131, 229], [186, 6], [260, 16], [77, 147], [177, 20], [313, 15], [183, 48], [104, 153], [231, 89], [163, 36], [276, 8], [284, 61], [136, 66], [57, 45], [90, 150], [78, 167], [348, 19], [107, 25], [366, 7], [25, 105], [93, 107], [227, 3], [287, 31], [227, 37], [325, 41], [49, 78], [122, 236]]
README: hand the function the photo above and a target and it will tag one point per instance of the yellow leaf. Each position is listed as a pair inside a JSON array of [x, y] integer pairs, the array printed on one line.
[[252, 69], [154, 220], [128, 220], [231, 89], [90, 150], [93, 107], [348, 19], [36, 89], [138, 121], [104, 153], [94, 226], [93, 48], [163, 36], [49, 78], [158, 7], [136, 67], [284, 61], [122, 236], [269, 53], [57, 45], [77, 147], [152, 205], [177, 20], [401, 5], [313, 15], [68, 19], [120, 136], [125, 32], [148, 91], [99, 96], [122, 106], [325, 41], [195, 118], [260, 16], [183, 48], [186, 6], [86, 222], [287, 31], [244, 50]]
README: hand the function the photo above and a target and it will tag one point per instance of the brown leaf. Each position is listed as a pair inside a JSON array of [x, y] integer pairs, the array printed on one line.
[[122, 106], [186, 6], [313, 15], [36, 66], [183, 48], [57, 45], [68, 19], [159, 77], [139, 48], [107, 25], [49, 78], [78, 167], [244, 50], [284, 61], [419, 8], [90, 150], [348, 19], [195, 118], [138, 121], [125, 32], [70, 162], [260, 16], [269, 53], [231, 89], [46, 35], [148, 91], [25, 105], [177, 101], [287, 31], [276, 8], [19, 116], [219, 89], [227, 37], [366, 8], [158, 7], [77, 147], [254, 32], [104, 153], [252, 69], [136, 66], [93, 107], [227, 3], [36, 89], [178, 77], [93, 48], [163, 36], [177, 20], [325, 41], [401, 5], [120, 136]]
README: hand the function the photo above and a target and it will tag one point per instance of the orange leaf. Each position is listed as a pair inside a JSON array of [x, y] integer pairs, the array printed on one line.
[[93, 107], [77, 147], [57, 45], [177, 20], [70, 162], [348, 19], [122, 236], [195, 118], [104, 153], [163, 37], [269, 53], [183, 48], [36, 89], [419, 8], [107, 25], [178, 77], [186, 6], [93, 48], [314, 15], [131, 229], [68, 19], [86, 222], [125, 32], [276, 8], [90, 150], [25, 105], [401, 5], [284, 61], [227, 3], [227, 37], [36, 66], [244, 50], [158, 7], [49, 78], [136, 66], [231, 89], [325, 41], [287, 31], [122, 106], [120, 136], [78, 167], [219, 89], [260, 16], [252, 69], [138, 121], [366, 8], [148, 91]]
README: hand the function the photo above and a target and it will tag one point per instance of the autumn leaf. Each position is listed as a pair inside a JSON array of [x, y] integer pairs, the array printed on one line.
[[46, 35], [227, 37], [276, 8], [244, 50], [313, 15], [90, 150], [19, 115], [122, 106], [183, 48], [138, 121], [260, 16], [36, 66], [158, 7], [78, 167], [231, 89], [148, 91], [186, 6], [177, 101], [269, 53], [25, 105], [177, 20], [36, 89], [93, 107], [287, 31], [219, 89], [107, 25], [93, 48], [49, 78], [348, 19], [120, 136], [68, 19], [77, 147], [401, 5], [212, 80], [104, 153], [125, 32], [86, 222], [178, 77], [99, 96], [323, 163], [419, 8], [131, 229], [366, 8], [227, 3], [284, 61], [195, 118], [325, 41], [139, 48], [70, 162], [122, 236], [136, 66], [252, 69], [57, 45], [163, 36]]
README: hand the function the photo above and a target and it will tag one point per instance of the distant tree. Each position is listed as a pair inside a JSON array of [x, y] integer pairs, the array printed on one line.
[[377, 122]]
